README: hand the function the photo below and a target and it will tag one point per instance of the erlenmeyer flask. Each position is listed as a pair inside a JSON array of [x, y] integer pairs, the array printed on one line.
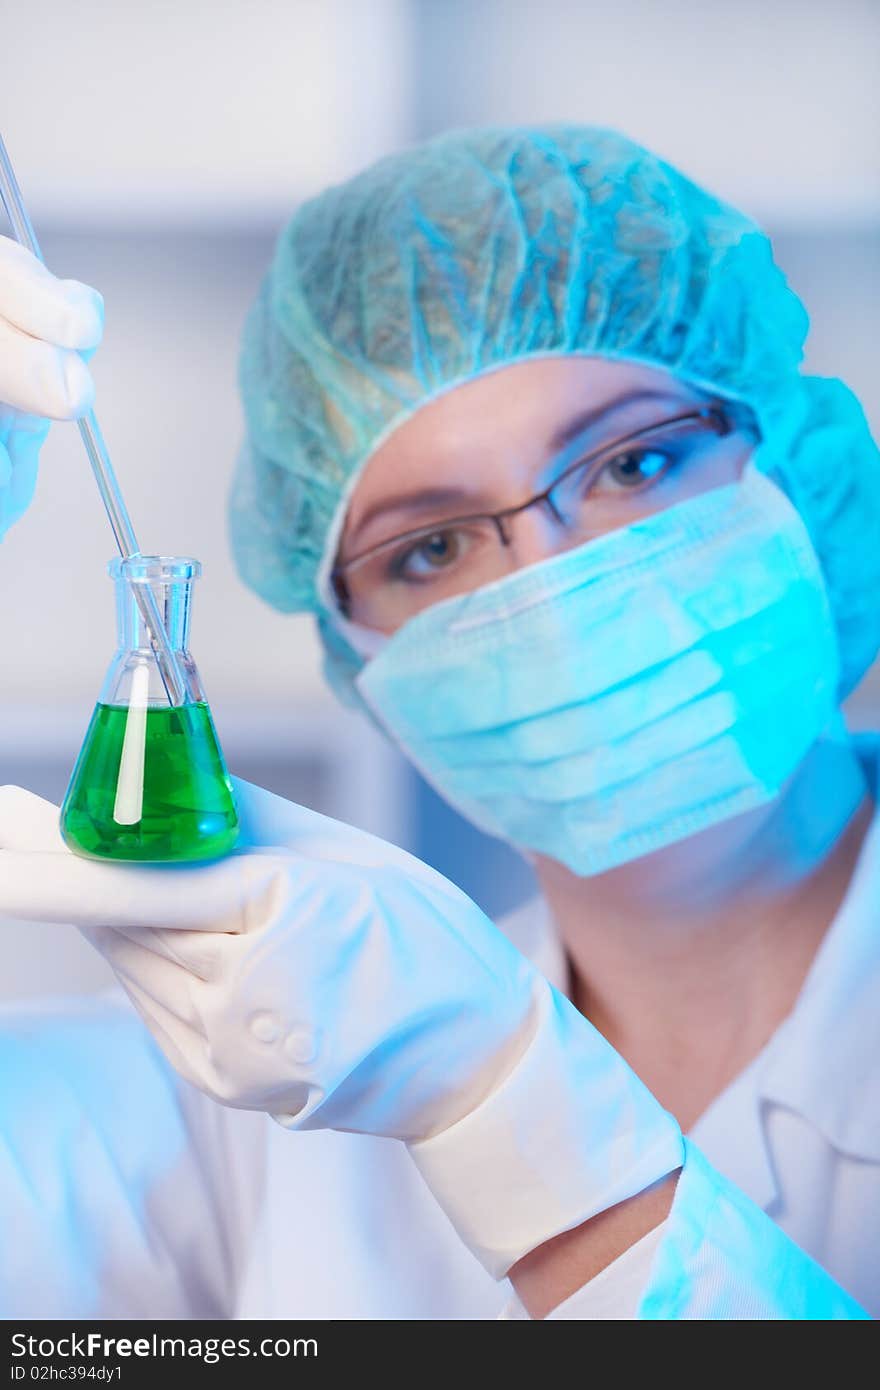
[[150, 783]]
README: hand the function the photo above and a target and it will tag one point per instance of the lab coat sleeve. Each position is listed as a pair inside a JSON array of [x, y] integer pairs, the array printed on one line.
[[716, 1257], [124, 1192], [722, 1257]]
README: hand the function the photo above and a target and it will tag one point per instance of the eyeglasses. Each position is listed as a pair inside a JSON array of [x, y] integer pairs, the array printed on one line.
[[392, 581]]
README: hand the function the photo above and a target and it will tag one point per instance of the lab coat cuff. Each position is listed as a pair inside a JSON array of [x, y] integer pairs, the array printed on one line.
[[569, 1132]]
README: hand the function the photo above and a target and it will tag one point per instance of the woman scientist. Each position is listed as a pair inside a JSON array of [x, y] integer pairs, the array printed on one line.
[[526, 430]]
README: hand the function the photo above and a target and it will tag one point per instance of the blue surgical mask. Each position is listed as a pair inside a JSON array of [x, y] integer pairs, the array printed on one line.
[[621, 696]]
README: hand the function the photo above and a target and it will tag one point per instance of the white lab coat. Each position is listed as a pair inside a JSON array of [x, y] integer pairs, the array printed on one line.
[[126, 1193]]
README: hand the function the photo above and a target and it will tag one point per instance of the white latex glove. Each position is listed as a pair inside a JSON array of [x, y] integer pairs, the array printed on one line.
[[334, 981], [45, 324]]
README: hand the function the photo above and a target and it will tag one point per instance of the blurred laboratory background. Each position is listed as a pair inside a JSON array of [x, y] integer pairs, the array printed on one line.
[[162, 146]]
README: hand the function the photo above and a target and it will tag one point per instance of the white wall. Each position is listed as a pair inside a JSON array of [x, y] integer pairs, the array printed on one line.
[[219, 109], [171, 110], [773, 105]]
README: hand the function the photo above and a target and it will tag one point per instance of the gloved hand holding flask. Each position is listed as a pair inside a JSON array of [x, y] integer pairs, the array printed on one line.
[[334, 981], [337, 982]]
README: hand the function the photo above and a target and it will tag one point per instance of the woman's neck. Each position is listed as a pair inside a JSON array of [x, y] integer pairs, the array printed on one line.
[[688, 959]]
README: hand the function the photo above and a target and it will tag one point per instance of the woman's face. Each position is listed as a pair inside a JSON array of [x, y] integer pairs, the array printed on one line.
[[417, 528]]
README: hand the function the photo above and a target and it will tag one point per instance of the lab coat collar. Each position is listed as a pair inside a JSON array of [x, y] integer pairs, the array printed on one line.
[[821, 1061]]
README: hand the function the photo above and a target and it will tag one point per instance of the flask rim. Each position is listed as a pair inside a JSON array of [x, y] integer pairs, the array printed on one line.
[[154, 569]]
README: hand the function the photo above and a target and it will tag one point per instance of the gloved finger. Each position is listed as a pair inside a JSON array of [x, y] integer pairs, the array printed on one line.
[[186, 1048], [163, 983], [63, 312], [28, 822], [56, 887], [199, 953], [41, 379], [23, 430]]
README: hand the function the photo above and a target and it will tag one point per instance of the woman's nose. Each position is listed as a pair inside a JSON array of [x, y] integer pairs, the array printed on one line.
[[534, 534]]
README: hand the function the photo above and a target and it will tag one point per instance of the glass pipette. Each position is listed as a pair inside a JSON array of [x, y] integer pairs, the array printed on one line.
[[108, 485]]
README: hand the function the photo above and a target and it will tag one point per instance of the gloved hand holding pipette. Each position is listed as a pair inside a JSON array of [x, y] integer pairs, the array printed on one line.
[[48, 328]]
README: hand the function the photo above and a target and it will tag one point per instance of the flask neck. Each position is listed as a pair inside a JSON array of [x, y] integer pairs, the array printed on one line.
[[134, 677], [174, 602]]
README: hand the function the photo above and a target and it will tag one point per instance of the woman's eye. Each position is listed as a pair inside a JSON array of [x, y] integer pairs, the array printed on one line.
[[634, 468], [431, 554]]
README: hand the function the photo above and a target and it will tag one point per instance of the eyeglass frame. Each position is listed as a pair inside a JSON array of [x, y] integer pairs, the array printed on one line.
[[732, 415]]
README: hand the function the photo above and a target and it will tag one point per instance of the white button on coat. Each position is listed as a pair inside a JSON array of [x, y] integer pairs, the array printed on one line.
[[265, 1027], [301, 1046]]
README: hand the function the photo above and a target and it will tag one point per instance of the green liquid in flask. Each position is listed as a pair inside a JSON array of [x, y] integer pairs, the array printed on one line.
[[150, 785]]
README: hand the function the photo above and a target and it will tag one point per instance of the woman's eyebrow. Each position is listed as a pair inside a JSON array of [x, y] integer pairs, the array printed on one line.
[[587, 419], [425, 498], [412, 501]]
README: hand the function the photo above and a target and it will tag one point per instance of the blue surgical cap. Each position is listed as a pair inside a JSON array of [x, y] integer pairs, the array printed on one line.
[[486, 247]]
